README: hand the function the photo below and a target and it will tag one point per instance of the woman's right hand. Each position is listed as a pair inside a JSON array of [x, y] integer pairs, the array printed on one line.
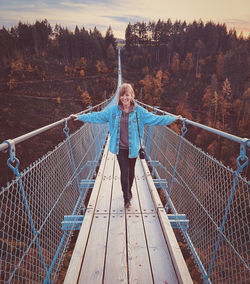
[[73, 116], [178, 117]]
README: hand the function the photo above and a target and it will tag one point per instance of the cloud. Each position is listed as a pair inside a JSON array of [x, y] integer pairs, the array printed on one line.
[[240, 25], [239, 22], [127, 18]]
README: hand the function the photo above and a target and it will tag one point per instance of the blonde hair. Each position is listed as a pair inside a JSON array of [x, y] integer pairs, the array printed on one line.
[[123, 89]]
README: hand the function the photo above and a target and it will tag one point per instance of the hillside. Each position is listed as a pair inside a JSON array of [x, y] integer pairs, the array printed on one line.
[[47, 74]]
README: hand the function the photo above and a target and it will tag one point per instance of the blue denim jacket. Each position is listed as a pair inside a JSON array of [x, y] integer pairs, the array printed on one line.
[[112, 115]]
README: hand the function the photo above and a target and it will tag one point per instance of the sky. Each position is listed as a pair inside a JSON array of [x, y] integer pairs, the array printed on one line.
[[118, 13]]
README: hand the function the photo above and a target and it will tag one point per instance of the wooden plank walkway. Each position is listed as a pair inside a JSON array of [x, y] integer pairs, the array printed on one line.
[[136, 245]]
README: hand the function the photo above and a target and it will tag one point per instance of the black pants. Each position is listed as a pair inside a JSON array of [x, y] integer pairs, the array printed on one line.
[[127, 167]]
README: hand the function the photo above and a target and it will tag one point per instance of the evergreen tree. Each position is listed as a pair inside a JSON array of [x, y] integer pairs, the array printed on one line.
[[109, 38], [128, 36]]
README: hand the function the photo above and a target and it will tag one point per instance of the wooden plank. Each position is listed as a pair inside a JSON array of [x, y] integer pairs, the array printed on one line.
[[117, 203], [146, 203], [96, 188], [139, 268], [93, 263], [162, 266], [104, 196], [152, 188], [78, 253], [116, 256], [174, 249]]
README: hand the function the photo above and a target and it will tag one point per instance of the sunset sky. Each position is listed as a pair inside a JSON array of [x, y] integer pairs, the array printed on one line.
[[118, 13]]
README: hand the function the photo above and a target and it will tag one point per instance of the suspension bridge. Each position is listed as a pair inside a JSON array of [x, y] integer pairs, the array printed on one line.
[[206, 202]]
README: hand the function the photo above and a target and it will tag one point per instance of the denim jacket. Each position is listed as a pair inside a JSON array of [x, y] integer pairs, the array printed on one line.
[[112, 115]]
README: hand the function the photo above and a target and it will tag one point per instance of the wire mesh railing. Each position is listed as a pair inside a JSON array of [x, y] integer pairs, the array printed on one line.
[[32, 242], [214, 198]]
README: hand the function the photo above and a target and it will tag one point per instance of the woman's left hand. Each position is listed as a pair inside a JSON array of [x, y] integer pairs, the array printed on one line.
[[178, 117]]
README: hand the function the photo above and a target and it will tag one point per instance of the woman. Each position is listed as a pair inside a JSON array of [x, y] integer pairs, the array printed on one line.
[[124, 136]]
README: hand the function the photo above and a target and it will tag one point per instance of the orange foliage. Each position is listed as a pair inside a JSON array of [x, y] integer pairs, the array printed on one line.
[[101, 67], [82, 73], [145, 70], [80, 65], [86, 99], [226, 89], [78, 89], [17, 65], [29, 68], [110, 52], [11, 84], [206, 99], [183, 107], [188, 64], [165, 78]]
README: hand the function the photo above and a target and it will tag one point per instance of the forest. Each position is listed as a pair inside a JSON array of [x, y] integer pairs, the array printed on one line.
[[199, 70]]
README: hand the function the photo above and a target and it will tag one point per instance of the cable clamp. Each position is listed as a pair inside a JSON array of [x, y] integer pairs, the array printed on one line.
[[184, 128], [12, 149], [66, 129], [12, 159]]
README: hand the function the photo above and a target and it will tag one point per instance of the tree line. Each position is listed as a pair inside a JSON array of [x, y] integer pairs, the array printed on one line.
[[42, 40]]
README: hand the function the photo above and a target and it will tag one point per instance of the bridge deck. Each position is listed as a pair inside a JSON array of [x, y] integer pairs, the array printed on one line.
[[136, 245]]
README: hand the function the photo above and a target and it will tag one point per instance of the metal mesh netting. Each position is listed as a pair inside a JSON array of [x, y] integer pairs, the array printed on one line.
[[201, 190], [34, 205]]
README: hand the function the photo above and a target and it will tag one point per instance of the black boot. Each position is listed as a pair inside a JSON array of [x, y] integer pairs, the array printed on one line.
[[130, 195], [126, 203]]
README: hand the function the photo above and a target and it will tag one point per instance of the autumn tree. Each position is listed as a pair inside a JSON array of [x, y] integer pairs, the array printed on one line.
[[101, 67], [226, 89], [188, 64], [110, 52], [81, 66], [184, 107], [86, 99], [158, 90], [147, 84]]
